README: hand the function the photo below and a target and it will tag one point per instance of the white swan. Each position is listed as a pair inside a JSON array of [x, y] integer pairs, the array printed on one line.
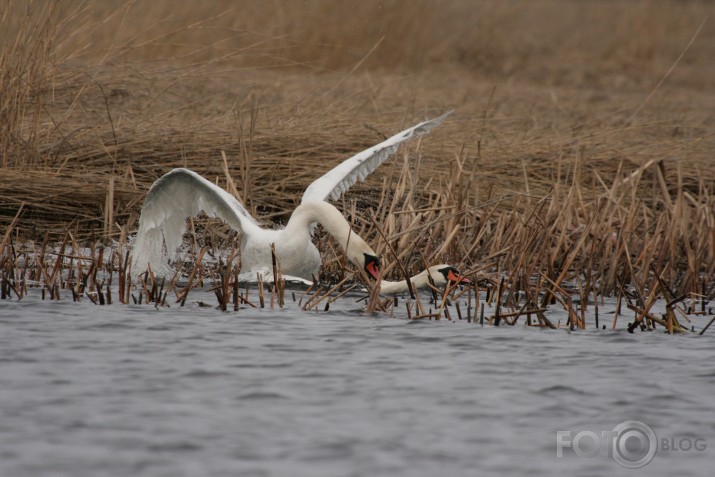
[[182, 193], [441, 275]]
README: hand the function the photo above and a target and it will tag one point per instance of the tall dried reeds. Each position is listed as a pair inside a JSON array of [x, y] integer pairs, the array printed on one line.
[[570, 169]]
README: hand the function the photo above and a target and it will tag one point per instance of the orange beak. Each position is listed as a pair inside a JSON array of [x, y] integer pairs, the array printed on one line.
[[456, 278], [373, 269]]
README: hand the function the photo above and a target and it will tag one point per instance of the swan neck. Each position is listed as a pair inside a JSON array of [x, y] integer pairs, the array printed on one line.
[[418, 281], [326, 215]]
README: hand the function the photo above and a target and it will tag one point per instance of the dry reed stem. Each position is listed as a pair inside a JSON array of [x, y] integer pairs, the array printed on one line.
[[312, 303], [185, 293]]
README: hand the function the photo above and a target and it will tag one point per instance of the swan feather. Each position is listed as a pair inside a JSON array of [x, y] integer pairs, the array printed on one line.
[[336, 181], [179, 194]]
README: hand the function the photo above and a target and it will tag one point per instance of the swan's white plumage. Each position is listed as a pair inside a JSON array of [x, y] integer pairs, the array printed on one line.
[[336, 181], [420, 280], [182, 193], [179, 194]]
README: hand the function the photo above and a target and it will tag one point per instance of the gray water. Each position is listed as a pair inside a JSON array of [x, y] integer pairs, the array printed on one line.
[[129, 390]]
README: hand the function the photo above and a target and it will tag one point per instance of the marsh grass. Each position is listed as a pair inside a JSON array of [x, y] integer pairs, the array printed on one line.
[[572, 170]]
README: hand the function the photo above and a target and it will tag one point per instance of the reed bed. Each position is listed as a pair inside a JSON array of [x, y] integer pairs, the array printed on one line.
[[102, 276], [548, 186], [521, 263]]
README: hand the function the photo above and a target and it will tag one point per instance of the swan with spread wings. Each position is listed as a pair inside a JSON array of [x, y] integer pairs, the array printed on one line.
[[182, 193]]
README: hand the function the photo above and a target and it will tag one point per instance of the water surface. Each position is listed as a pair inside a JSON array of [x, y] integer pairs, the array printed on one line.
[[131, 390]]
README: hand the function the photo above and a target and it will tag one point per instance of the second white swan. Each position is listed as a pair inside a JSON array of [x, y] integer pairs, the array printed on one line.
[[440, 274]]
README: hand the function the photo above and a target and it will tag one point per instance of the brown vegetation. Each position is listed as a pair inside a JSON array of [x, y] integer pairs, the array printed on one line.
[[580, 152]]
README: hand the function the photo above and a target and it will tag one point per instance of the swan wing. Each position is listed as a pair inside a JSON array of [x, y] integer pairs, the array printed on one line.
[[339, 179], [179, 194]]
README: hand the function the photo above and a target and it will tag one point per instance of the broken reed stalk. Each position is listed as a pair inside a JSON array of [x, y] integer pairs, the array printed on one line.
[[644, 314], [313, 302], [259, 283], [573, 317], [707, 326], [373, 302], [236, 295], [315, 295], [397, 257], [278, 283], [448, 290], [342, 293], [307, 291], [8, 232], [226, 286], [109, 209], [185, 293]]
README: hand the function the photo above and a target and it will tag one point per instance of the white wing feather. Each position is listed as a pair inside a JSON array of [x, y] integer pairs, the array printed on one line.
[[339, 179], [175, 196]]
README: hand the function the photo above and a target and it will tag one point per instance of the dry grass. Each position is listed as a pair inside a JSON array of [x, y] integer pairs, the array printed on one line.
[[579, 158]]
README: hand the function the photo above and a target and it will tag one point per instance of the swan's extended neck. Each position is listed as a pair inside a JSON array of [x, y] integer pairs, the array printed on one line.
[[334, 223], [418, 281]]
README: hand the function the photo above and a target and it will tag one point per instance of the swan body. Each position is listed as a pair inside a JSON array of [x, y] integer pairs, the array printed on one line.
[[441, 275], [295, 249], [182, 193]]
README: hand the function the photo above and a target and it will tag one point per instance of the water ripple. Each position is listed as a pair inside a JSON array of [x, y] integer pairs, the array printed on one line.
[[88, 390]]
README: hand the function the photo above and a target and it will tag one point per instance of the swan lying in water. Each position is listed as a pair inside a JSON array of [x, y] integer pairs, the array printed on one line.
[[182, 193]]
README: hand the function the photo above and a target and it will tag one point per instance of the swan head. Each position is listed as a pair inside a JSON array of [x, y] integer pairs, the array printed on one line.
[[360, 253], [447, 274], [371, 265]]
